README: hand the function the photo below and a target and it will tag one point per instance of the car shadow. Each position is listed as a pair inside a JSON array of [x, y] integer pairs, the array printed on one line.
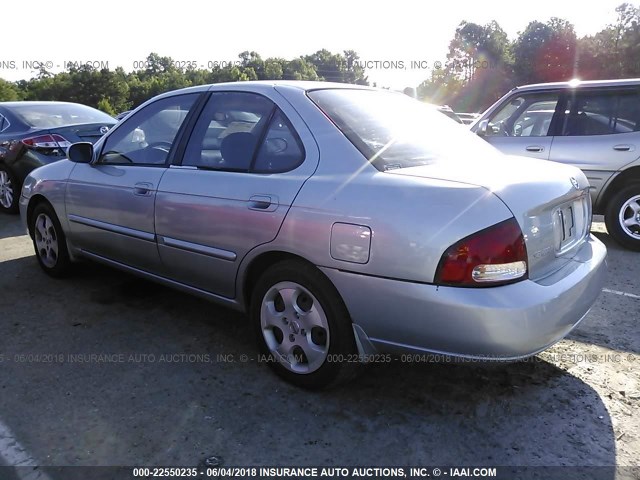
[[106, 369], [10, 226], [611, 323]]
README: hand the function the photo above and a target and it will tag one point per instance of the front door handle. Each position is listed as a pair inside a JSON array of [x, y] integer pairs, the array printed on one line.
[[534, 148], [264, 203], [143, 189], [624, 148]]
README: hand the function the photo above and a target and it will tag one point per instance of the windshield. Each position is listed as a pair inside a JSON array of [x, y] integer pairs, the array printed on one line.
[[393, 130], [51, 115]]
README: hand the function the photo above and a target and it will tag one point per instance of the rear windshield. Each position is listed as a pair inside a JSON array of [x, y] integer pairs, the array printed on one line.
[[393, 130], [59, 115]]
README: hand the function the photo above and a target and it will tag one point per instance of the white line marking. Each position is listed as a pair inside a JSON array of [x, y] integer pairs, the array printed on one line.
[[622, 294], [13, 454]]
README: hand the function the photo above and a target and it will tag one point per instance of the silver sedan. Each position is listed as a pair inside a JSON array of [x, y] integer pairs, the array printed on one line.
[[350, 223]]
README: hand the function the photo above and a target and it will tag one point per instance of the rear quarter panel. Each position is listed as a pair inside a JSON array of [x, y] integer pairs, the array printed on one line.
[[412, 220]]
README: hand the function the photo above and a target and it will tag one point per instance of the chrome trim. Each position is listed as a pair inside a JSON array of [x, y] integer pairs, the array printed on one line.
[[197, 248], [109, 227], [183, 167], [575, 183], [8, 124]]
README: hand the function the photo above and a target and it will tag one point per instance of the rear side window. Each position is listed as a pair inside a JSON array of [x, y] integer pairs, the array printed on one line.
[[228, 131], [281, 149], [601, 113], [243, 132]]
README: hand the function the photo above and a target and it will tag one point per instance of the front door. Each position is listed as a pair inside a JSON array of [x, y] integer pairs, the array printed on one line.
[[110, 202], [522, 125]]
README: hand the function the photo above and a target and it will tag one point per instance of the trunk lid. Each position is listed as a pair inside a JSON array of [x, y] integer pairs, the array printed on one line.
[[550, 201], [88, 132]]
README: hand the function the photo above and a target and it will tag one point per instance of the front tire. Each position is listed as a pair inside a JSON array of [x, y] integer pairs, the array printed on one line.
[[9, 191], [622, 217], [302, 326], [49, 241]]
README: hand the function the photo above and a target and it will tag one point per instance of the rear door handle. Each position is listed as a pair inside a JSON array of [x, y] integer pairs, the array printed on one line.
[[624, 148], [534, 148], [143, 189], [264, 203]]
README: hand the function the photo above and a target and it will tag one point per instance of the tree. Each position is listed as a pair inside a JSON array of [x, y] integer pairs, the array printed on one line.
[[354, 72], [478, 47], [253, 61], [614, 51], [299, 69], [273, 69], [442, 87], [478, 70], [330, 67], [106, 107], [9, 91], [545, 52]]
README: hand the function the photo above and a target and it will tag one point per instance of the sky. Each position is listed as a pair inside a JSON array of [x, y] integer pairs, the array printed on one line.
[[401, 40]]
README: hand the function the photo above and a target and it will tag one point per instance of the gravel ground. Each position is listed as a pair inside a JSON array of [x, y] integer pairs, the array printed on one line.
[[163, 388]]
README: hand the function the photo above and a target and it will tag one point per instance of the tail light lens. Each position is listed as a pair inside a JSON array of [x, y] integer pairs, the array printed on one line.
[[48, 141], [494, 256]]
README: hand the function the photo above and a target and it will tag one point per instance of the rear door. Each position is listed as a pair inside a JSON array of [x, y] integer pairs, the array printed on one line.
[[522, 126], [599, 132], [110, 203], [245, 162]]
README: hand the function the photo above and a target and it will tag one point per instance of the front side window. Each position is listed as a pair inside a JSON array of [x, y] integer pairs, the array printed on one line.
[[230, 135], [393, 130], [603, 113], [524, 116], [146, 137]]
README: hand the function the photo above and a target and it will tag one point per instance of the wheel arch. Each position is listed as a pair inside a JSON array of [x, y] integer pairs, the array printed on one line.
[[34, 201], [625, 177], [258, 265]]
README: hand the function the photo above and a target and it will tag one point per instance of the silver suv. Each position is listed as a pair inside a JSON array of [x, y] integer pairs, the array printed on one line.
[[593, 125]]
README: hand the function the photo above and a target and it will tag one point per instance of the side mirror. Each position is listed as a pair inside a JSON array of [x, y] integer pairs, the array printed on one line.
[[482, 128], [81, 152]]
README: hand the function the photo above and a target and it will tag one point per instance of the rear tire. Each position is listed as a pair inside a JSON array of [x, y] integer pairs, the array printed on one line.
[[622, 217], [9, 191], [302, 326], [49, 241]]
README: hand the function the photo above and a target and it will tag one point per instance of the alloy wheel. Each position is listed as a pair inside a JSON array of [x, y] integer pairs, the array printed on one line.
[[629, 217], [295, 327], [46, 240], [6, 190]]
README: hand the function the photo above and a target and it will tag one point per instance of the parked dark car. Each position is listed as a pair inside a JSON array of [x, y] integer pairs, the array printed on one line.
[[33, 134], [121, 115]]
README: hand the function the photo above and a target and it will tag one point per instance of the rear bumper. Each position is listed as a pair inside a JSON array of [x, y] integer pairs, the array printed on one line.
[[500, 323]]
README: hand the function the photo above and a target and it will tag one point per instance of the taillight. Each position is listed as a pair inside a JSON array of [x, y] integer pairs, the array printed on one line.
[[493, 256], [47, 141]]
